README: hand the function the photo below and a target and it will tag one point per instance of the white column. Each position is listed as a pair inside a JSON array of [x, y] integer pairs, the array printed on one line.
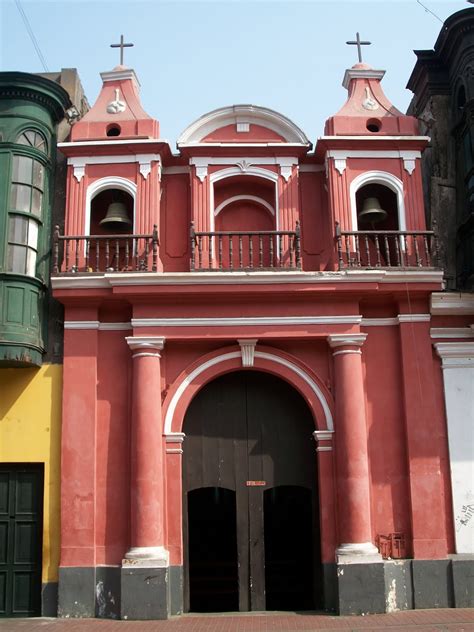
[[458, 373]]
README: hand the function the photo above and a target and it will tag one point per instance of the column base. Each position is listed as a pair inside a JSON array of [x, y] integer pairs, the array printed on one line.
[[361, 587], [357, 553], [147, 557], [145, 592]]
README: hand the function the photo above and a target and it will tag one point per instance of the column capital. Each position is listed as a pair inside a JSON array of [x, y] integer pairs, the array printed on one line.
[[339, 342], [146, 345]]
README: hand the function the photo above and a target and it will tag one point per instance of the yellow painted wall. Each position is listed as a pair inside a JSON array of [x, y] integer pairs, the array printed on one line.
[[30, 432]]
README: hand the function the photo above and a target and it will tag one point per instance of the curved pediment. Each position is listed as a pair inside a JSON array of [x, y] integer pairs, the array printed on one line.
[[242, 124]]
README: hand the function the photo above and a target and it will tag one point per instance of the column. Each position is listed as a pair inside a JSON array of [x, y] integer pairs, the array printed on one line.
[[351, 450], [147, 485], [145, 569], [360, 571]]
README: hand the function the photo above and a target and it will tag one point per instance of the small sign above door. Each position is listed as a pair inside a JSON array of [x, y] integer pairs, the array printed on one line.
[[256, 483]]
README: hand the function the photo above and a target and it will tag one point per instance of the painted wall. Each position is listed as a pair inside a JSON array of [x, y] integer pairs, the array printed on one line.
[[30, 432]]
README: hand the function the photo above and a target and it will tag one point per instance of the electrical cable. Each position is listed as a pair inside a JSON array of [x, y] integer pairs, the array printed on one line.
[[429, 11], [32, 35]]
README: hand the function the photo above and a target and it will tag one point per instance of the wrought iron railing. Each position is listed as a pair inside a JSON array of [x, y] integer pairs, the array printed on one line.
[[104, 253], [245, 250], [386, 249]]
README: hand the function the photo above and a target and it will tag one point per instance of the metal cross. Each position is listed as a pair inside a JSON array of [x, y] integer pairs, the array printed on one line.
[[358, 43], [121, 46]]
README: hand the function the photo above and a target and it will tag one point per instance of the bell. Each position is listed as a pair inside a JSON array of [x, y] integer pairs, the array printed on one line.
[[116, 214], [371, 211]]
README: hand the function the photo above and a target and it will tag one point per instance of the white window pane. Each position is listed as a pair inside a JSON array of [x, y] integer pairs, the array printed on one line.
[[18, 229], [20, 197], [39, 141], [22, 140], [38, 175], [36, 201], [33, 234], [31, 263], [16, 259], [31, 136], [22, 169]]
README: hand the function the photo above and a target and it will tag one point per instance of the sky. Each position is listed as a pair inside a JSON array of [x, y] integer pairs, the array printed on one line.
[[193, 56]]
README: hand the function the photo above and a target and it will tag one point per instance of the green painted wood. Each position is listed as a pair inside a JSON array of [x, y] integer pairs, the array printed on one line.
[[27, 102], [21, 527]]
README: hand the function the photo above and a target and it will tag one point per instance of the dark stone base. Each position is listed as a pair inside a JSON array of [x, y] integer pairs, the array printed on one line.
[[361, 588], [76, 594], [329, 578], [398, 585], [107, 592], [89, 592], [463, 581], [176, 590], [49, 599], [432, 584], [145, 593]]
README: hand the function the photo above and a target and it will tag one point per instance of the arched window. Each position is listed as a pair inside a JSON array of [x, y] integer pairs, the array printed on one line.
[[395, 204], [32, 138], [100, 195]]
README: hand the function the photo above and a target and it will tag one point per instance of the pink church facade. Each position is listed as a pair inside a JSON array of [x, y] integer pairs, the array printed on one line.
[[252, 400]]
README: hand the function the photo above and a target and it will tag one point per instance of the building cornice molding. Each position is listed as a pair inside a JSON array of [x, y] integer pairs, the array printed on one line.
[[132, 279], [452, 303], [452, 332], [267, 321]]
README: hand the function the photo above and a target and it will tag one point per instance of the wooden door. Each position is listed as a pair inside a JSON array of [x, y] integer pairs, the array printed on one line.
[[21, 527], [248, 433]]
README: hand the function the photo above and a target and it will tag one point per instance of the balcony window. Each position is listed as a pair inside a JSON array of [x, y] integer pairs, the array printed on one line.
[[27, 186], [22, 245], [32, 138], [26, 210]]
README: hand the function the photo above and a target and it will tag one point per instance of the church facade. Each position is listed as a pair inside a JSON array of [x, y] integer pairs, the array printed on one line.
[[253, 413]]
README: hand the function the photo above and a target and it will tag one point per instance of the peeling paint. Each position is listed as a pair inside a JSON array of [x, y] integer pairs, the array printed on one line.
[[392, 597]]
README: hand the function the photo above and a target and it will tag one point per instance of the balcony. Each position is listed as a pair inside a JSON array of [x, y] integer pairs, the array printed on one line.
[[227, 251], [96, 254], [368, 249], [249, 251]]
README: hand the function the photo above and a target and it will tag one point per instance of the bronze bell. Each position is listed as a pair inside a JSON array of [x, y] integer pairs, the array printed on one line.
[[116, 214], [371, 211]]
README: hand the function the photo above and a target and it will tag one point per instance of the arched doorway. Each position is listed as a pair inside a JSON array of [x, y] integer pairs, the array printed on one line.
[[251, 524]]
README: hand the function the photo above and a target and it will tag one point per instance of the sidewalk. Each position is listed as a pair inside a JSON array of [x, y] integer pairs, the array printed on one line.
[[452, 620]]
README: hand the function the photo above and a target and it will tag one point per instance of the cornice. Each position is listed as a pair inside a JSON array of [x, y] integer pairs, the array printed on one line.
[[47, 93]]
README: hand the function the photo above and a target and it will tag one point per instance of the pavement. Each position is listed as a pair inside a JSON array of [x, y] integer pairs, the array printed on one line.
[[439, 620]]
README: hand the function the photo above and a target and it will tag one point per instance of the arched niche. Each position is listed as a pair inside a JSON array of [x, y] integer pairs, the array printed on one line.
[[244, 203]]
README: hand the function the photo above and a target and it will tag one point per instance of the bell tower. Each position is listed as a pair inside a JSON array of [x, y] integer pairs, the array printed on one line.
[[372, 154], [114, 168]]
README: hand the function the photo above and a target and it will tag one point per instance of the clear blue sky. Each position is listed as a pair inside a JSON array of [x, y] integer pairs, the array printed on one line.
[[194, 56]]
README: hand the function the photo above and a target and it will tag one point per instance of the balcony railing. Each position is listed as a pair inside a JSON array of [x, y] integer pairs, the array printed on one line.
[[104, 253], [386, 249], [245, 250]]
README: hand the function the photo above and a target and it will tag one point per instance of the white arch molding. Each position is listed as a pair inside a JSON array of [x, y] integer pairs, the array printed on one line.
[[232, 172], [378, 177], [251, 198], [270, 357], [104, 184], [234, 114]]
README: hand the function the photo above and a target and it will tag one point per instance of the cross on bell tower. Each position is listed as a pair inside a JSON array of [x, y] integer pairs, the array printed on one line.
[[359, 45], [121, 46]]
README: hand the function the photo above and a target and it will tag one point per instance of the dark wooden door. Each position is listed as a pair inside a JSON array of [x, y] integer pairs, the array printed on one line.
[[248, 433], [21, 526]]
